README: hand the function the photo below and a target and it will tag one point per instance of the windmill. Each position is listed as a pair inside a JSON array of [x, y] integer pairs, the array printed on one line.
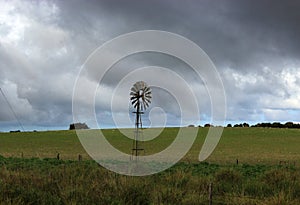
[[140, 97]]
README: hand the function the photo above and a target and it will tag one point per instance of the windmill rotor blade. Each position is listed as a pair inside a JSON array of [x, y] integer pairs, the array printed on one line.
[[148, 96], [146, 89], [148, 100], [146, 104], [134, 101], [133, 93], [133, 89], [141, 84], [133, 97], [137, 86]]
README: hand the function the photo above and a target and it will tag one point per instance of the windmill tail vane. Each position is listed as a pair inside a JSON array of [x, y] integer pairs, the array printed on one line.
[[140, 97]]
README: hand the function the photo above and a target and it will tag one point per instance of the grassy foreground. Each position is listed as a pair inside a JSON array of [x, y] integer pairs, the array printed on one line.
[[31, 174], [52, 181]]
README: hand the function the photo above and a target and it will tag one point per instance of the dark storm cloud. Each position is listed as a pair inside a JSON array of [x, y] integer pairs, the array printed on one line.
[[265, 31], [244, 36], [254, 45], [237, 34]]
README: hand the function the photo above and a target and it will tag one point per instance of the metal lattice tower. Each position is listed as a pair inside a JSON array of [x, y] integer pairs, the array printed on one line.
[[140, 97]]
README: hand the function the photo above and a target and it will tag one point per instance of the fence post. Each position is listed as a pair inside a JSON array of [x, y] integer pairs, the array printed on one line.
[[210, 194]]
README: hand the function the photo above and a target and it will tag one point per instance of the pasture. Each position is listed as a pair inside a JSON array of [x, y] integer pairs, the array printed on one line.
[[248, 145], [31, 174]]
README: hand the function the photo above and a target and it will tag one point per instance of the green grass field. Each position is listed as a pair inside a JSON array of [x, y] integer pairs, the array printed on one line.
[[31, 174], [248, 145]]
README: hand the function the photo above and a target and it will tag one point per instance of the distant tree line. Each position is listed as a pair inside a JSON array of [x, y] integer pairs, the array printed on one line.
[[268, 125], [239, 125], [229, 125], [263, 124], [278, 125]]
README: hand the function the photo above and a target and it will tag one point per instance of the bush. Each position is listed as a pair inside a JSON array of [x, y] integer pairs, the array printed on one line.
[[78, 126]]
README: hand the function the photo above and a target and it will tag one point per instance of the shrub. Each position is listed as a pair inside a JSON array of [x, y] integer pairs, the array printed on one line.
[[78, 126]]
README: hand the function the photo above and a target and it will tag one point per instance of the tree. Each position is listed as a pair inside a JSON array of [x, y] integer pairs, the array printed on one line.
[[276, 125], [78, 126], [238, 125], [245, 124], [229, 125], [289, 125]]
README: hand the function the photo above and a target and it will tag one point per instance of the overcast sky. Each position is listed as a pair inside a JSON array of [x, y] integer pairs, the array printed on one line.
[[254, 45]]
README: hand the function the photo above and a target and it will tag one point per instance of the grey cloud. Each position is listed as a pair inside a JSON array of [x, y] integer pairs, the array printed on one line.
[[238, 34], [241, 37]]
